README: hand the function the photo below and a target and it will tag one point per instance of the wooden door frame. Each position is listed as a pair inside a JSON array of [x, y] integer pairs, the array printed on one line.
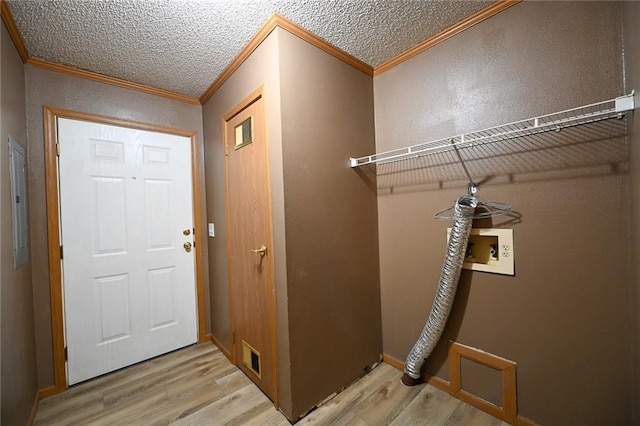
[[253, 97], [51, 114]]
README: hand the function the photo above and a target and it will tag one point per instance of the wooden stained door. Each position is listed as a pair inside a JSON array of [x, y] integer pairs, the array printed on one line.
[[126, 217], [249, 243]]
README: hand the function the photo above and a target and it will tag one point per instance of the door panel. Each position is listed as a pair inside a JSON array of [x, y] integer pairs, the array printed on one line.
[[113, 308], [108, 195], [157, 214], [129, 285], [249, 221]]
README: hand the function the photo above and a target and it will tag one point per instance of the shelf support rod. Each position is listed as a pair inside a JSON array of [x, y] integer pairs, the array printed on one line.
[[464, 167]]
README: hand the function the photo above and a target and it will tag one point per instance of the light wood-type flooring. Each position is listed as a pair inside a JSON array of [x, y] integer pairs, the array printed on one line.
[[199, 386]]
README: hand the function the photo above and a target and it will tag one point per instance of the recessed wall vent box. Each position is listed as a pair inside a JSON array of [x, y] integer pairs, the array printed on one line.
[[489, 250]]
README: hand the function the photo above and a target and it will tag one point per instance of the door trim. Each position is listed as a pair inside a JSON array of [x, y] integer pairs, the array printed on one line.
[[239, 107], [53, 224]]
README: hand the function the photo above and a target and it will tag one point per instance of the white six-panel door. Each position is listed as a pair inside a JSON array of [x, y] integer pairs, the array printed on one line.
[[128, 281]]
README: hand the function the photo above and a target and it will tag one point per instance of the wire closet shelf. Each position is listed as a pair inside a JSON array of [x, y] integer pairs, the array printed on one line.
[[593, 113]]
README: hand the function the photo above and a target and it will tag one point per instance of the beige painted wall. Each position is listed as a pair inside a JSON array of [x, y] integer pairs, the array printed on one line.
[[54, 89], [565, 316], [330, 222], [632, 67], [19, 380], [260, 69]]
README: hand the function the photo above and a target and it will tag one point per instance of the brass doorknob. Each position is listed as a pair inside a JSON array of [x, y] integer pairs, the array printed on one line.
[[262, 251], [187, 246]]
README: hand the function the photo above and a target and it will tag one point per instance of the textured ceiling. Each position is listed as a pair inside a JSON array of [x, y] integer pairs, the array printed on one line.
[[183, 45]]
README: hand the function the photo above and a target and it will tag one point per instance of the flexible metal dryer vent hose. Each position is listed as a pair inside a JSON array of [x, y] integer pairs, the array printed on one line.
[[456, 249]]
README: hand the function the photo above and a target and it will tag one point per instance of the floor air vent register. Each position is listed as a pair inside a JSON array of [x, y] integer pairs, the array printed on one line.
[[251, 358]]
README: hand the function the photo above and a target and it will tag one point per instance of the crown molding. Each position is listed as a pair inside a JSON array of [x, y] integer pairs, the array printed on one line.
[[253, 44], [477, 17], [277, 20], [90, 75], [7, 18], [320, 43], [9, 22]]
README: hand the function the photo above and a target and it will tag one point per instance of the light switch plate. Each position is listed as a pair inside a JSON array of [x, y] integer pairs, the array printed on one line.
[[212, 230]]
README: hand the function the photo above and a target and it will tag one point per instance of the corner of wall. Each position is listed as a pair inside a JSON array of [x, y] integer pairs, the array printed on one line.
[[331, 221], [261, 68], [19, 378], [279, 241]]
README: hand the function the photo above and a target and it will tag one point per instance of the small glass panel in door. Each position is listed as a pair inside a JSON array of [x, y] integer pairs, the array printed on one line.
[[244, 133]]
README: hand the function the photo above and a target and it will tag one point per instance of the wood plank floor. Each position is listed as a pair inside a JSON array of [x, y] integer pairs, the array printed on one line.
[[199, 386]]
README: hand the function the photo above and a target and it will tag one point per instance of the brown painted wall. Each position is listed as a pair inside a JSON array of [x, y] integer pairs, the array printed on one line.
[[565, 316], [64, 91], [260, 69], [2, 215], [631, 13], [2, 168], [19, 381], [331, 222], [319, 112]]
